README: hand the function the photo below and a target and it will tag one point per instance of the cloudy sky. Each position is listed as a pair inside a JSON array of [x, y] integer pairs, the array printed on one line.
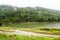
[[52, 4]]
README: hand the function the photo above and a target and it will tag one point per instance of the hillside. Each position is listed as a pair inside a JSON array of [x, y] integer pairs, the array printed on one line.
[[10, 14]]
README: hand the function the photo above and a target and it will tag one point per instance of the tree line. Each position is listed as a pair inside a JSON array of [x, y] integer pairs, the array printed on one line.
[[10, 14]]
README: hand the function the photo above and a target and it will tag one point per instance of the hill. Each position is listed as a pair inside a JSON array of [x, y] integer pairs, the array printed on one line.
[[10, 14]]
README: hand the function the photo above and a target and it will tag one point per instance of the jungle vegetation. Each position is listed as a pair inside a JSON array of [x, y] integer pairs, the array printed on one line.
[[10, 14]]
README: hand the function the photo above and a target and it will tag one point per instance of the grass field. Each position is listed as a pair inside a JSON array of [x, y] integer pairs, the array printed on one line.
[[52, 31], [20, 37], [30, 27]]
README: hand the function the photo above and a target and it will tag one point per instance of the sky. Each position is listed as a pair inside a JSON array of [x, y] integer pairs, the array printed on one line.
[[51, 4]]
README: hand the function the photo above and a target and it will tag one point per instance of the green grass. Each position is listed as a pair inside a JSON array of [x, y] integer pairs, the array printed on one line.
[[53, 31], [20, 37], [32, 27]]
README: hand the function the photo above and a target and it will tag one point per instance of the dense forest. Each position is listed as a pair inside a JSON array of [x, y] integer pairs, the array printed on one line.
[[10, 14]]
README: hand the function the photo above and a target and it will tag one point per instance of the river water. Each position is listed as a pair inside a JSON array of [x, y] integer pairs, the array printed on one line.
[[36, 24]]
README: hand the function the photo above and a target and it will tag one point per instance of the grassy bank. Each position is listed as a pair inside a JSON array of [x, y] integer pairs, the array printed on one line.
[[20, 37], [53, 31]]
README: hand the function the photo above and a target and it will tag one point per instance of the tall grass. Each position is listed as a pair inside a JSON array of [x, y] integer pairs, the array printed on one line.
[[20, 37]]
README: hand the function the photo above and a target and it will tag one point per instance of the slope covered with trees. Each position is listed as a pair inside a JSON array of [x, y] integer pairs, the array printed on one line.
[[10, 14]]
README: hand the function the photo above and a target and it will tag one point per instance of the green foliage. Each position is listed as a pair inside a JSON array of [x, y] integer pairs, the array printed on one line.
[[9, 14]]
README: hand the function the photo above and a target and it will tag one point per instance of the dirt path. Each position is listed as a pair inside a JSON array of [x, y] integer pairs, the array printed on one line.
[[19, 32]]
